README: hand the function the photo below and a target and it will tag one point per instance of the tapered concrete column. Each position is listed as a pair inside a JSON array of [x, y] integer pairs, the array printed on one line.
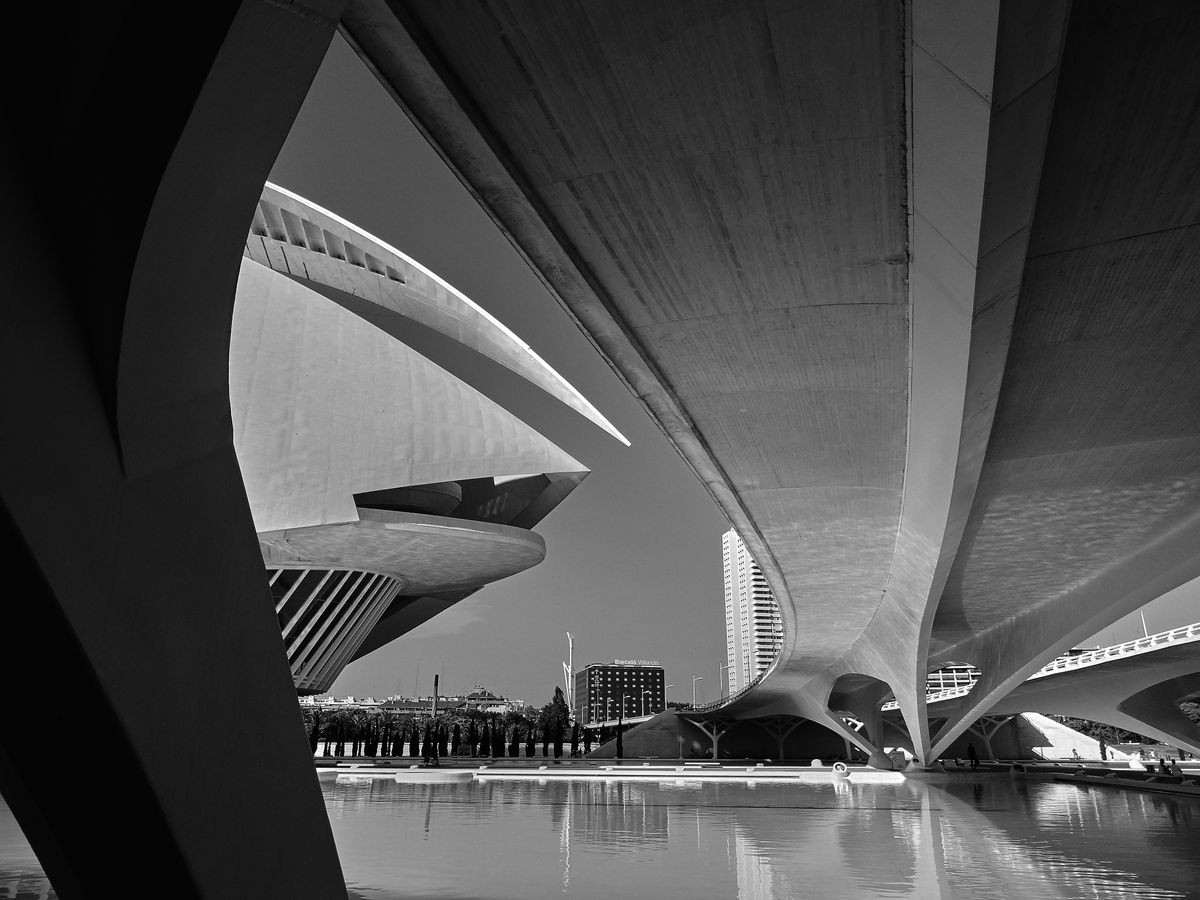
[[153, 746]]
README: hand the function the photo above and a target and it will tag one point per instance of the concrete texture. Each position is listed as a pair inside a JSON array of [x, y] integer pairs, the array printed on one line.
[[907, 287], [143, 610]]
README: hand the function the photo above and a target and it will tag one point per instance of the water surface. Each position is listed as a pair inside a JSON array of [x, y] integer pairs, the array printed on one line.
[[991, 838]]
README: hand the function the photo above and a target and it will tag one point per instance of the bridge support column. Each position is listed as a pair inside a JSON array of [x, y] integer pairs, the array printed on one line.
[[714, 729], [779, 727], [986, 729]]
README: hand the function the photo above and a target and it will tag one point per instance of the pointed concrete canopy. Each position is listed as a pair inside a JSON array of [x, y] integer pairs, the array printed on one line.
[[326, 406], [300, 239]]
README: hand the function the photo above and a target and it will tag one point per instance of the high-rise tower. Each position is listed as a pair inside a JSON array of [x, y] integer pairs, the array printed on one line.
[[753, 628]]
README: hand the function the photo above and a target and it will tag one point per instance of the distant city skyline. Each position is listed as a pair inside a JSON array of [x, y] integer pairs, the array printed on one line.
[[631, 567]]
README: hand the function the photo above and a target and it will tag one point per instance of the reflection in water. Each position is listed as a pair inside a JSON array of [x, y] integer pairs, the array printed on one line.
[[989, 839]]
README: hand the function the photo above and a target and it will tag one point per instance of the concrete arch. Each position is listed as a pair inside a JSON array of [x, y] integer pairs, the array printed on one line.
[[861, 696], [129, 429]]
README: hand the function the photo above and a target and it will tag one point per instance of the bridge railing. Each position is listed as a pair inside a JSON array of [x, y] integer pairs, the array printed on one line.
[[1182, 635], [726, 700]]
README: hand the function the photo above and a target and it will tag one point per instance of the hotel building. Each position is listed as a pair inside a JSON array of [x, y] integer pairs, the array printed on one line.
[[628, 687]]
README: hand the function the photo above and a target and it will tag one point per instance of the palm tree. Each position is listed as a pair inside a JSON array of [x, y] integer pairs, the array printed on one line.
[[414, 740], [456, 739]]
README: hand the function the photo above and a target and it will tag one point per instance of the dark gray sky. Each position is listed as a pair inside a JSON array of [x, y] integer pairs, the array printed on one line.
[[633, 565]]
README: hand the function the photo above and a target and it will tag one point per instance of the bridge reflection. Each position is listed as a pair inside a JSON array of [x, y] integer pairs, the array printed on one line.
[[987, 838]]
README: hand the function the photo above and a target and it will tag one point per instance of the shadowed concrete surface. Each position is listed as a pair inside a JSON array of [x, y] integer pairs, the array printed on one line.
[[909, 287], [144, 609]]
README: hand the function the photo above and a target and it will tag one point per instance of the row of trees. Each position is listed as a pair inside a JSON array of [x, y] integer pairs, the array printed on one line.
[[1110, 734], [384, 732]]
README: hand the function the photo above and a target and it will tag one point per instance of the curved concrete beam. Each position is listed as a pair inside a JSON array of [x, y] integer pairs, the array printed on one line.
[[297, 238], [383, 36]]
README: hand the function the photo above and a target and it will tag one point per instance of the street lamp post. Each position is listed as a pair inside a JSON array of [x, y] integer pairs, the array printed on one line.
[[644, 693], [695, 678]]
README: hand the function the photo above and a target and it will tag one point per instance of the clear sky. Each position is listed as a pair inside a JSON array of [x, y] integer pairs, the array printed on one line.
[[633, 565]]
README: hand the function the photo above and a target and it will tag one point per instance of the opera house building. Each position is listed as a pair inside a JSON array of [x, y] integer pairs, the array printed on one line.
[[383, 488]]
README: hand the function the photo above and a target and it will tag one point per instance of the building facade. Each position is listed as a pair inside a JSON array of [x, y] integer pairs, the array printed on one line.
[[753, 628], [626, 687]]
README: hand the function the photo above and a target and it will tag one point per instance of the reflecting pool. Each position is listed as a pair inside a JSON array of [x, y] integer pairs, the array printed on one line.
[[985, 838]]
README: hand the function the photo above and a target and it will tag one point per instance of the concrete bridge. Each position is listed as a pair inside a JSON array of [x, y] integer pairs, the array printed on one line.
[[910, 287], [1136, 685]]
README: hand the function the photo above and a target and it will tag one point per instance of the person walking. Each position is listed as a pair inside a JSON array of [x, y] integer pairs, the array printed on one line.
[[972, 756]]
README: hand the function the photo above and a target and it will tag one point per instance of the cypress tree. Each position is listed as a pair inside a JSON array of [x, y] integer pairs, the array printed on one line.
[[485, 742], [530, 745], [497, 738], [315, 735], [514, 744]]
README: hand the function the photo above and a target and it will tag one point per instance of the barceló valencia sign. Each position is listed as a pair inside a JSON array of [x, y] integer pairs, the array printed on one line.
[[636, 662]]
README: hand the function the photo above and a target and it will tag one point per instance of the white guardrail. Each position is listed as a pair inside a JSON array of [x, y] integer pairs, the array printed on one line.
[[1182, 635]]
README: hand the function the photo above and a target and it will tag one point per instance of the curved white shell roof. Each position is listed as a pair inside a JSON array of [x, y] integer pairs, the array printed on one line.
[[298, 238]]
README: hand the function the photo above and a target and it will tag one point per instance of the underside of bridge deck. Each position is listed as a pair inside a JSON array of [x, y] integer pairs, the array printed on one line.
[[910, 289]]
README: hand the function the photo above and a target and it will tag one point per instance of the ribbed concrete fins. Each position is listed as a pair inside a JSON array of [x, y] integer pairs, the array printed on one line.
[[326, 406], [429, 300]]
